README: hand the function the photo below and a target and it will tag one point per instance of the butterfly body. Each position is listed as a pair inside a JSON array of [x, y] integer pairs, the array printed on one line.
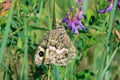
[[55, 48]]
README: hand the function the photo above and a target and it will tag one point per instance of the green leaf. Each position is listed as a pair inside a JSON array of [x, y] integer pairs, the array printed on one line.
[[19, 43], [89, 14]]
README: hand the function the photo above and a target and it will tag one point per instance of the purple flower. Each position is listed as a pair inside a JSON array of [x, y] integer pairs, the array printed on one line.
[[74, 22], [71, 9], [79, 15], [109, 8], [81, 26], [79, 1], [66, 19], [71, 24], [118, 4]]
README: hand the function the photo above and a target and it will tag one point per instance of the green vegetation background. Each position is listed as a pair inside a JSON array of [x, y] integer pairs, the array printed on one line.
[[28, 21]]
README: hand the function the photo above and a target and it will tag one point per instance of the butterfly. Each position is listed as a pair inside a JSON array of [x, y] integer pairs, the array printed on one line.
[[56, 48]]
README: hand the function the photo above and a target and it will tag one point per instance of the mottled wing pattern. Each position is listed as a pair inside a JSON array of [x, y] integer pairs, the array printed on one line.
[[56, 48]]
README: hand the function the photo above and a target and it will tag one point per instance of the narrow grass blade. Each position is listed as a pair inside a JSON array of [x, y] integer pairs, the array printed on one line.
[[85, 5], [7, 30], [24, 70], [107, 77], [110, 61], [40, 12], [55, 73]]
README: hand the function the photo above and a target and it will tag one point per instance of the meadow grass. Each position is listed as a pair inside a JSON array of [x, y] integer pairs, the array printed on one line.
[[25, 23]]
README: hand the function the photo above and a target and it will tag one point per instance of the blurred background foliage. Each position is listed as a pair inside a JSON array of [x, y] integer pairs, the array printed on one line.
[[25, 24]]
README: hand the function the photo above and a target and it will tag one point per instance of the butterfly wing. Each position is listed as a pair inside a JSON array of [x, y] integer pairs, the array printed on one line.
[[56, 47]]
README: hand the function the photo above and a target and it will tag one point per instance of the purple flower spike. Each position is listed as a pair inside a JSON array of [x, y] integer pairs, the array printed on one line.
[[74, 21], [107, 9]]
